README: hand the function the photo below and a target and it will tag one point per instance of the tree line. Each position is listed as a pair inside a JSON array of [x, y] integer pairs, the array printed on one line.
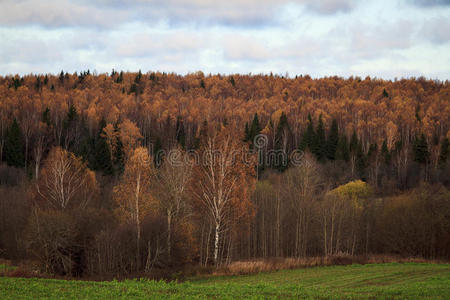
[[98, 174]]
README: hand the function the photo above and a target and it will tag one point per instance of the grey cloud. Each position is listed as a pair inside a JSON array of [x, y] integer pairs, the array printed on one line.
[[436, 30], [431, 3], [104, 14], [330, 6], [63, 13]]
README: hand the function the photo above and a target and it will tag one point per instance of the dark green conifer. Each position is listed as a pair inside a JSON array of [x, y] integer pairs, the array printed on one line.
[[333, 140], [14, 149], [421, 153], [320, 142]]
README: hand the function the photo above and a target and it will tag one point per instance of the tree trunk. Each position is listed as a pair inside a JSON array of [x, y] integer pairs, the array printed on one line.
[[169, 234], [138, 223], [216, 244]]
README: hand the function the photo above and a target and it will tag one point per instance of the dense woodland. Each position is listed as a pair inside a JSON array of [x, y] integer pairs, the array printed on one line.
[[99, 173]]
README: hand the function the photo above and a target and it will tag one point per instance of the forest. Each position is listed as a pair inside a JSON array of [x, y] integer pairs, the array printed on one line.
[[130, 172]]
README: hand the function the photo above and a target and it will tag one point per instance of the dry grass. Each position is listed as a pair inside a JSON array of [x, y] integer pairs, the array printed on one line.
[[274, 264]]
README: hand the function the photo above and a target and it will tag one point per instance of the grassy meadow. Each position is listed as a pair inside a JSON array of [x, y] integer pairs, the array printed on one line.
[[379, 281]]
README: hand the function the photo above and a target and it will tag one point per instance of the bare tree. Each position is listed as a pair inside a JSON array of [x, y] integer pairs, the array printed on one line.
[[65, 182], [172, 180]]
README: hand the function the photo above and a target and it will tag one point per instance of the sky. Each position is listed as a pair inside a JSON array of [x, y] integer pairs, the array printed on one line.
[[381, 38]]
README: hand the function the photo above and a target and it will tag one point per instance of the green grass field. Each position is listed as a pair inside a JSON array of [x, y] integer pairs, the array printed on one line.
[[399, 281]]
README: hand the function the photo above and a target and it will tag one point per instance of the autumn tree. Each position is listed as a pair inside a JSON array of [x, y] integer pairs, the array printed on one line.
[[347, 206], [65, 182], [222, 182], [133, 194]]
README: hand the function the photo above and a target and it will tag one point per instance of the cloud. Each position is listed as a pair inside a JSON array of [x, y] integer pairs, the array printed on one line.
[[147, 44], [436, 30], [56, 14], [30, 51], [113, 13], [330, 6], [431, 3], [371, 41], [239, 47]]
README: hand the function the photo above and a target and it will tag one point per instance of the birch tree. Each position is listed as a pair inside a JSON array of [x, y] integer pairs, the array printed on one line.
[[132, 194], [65, 182], [222, 182]]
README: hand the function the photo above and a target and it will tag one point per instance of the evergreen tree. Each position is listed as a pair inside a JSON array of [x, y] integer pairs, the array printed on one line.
[[14, 149], [102, 152], [119, 155], [61, 77], [320, 142], [333, 140], [233, 83], [254, 130], [421, 153]]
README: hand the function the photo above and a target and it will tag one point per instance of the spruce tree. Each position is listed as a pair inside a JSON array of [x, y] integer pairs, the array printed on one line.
[[233, 83], [254, 129], [14, 149], [320, 142], [421, 153], [102, 152], [333, 140], [118, 154]]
